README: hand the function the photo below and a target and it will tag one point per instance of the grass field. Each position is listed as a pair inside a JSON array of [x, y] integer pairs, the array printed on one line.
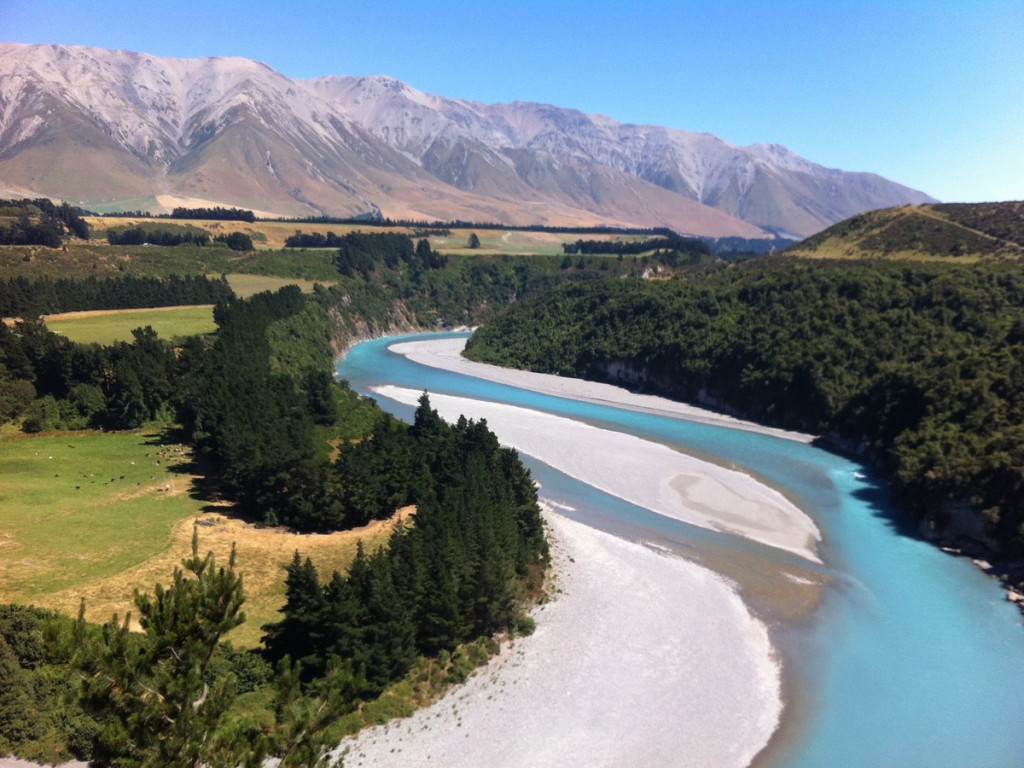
[[247, 285], [97, 515], [108, 326]]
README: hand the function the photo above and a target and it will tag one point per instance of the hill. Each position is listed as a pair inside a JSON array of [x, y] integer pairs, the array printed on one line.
[[917, 368], [117, 130], [963, 231]]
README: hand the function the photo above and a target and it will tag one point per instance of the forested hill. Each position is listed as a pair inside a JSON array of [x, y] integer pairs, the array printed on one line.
[[964, 231], [276, 435], [919, 368]]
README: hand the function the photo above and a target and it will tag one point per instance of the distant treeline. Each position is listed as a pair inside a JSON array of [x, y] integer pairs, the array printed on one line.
[[689, 248], [918, 368], [141, 236], [731, 247], [312, 240], [40, 222], [426, 225], [22, 297], [216, 213], [686, 246], [236, 241]]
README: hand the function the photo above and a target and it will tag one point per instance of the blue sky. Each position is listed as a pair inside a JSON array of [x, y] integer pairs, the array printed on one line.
[[929, 93]]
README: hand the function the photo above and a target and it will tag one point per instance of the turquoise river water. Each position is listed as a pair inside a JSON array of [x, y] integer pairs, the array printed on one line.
[[913, 658]]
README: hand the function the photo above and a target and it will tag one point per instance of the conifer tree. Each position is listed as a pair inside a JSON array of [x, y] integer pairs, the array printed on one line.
[[152, 690]]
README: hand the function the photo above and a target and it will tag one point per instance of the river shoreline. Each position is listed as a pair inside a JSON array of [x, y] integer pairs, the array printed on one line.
[[600, 682], [447, 355], [771, 588]]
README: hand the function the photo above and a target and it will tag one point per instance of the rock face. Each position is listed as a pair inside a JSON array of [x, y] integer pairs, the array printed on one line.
[[115, 128]]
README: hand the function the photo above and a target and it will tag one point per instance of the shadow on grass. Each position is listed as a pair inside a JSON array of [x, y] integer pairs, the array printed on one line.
[[180, 458]]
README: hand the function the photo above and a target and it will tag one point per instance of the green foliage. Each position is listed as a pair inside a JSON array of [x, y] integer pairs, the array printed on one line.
[[216, 213], [134, 379], [40, 222], [21, 297], [456, 575], [174, 696], [152, 691], [918, 368], [39, 715], [167, 235], [236, 241]]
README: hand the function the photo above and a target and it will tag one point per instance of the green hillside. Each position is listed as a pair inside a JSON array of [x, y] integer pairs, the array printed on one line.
[[962, 231]]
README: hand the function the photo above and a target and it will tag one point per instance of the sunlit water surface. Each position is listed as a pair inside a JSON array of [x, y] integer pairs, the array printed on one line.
[[913, 659]]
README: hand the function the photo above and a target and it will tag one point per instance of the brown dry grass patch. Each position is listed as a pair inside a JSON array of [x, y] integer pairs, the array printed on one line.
[[261, 555]]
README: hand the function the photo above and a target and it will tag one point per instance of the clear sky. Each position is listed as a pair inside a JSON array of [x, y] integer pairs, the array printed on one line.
[[929, 93]]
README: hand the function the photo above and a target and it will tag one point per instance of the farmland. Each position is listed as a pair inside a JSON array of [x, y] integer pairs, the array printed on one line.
[[97, 515], [109, 326]]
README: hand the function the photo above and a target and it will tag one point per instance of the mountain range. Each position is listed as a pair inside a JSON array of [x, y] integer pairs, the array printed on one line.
[[118, 130]]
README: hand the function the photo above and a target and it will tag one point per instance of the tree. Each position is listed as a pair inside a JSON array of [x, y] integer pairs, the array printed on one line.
[[153, 691], [474, 241], [236, 241]]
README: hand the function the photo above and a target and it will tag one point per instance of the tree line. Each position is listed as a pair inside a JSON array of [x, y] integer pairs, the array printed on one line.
[[152, 236], [457, 573], [24, 297], [40, 222], [48, 382], [684, 245], [217, 213], [917, 368]]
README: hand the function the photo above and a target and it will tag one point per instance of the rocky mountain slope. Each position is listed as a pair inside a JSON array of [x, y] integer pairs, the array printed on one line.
[[116, 129]]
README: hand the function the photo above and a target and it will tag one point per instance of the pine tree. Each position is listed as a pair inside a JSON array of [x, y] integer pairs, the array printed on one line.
[[152, 689], [300, 634]]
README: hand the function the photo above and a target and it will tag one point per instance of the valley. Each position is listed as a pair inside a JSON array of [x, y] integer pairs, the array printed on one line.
[[343, 422]]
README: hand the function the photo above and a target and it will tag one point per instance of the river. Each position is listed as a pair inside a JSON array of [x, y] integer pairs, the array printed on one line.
[[910, 657]]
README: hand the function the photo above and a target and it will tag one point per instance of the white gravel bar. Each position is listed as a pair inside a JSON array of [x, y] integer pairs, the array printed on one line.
[[639, 471], [641, 659], [447, 354]]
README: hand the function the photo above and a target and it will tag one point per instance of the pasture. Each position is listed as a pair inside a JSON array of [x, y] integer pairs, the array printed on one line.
[[247, 285], [98, 515], [108, 326]]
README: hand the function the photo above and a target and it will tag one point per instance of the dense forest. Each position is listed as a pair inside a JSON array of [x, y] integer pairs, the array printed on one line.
[[918, 368], [456, 574], [21, 297]]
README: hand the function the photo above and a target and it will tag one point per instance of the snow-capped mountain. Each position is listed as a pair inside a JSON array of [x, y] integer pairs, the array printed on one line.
[[120, 129]]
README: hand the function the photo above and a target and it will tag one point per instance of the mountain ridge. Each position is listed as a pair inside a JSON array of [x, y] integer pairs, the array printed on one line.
[[93, 125]]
